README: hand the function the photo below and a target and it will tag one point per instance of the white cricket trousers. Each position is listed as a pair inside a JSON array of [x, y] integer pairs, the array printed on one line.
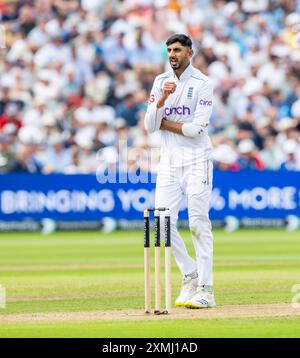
[[194, 183]]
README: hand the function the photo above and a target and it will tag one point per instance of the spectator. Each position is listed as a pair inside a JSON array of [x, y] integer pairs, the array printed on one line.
[[271, 154], [115, 53], [33, 115], [54, 51], [248, 156], [6, 154], [4, 99], [225, 157], [26, 161], [38, 36], [142, 55], [27, 18], [128, 110], [292, 151], [10, 117], [56, 157]]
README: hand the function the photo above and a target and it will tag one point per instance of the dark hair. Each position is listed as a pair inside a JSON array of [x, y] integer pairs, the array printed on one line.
[[181, 38]]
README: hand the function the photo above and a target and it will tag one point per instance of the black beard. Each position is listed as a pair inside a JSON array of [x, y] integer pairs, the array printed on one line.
[[175, 66]]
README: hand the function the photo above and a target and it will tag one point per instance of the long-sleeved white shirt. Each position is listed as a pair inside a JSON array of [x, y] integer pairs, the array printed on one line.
[[191, 105]]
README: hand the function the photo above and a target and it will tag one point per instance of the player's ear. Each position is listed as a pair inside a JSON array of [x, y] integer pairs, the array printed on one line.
[[191, 52]]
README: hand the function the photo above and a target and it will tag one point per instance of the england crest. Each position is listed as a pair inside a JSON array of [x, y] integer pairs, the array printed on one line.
[[190, 93]]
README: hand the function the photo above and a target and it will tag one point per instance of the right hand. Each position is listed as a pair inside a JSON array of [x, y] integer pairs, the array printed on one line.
[[168, 88]]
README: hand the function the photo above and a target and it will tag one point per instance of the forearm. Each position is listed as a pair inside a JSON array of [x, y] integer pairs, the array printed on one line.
[[154, 115], [152, 120], [171, 126], [161, 102], [155, 110]]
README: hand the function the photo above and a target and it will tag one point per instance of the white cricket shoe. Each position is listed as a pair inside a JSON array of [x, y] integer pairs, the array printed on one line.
[[204, 298], [188, 289]]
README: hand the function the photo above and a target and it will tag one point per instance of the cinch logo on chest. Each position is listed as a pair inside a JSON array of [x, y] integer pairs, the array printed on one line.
[[181, 110]]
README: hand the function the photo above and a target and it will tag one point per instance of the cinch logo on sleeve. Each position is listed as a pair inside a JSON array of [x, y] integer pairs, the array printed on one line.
[[203, 102], [181, 110]]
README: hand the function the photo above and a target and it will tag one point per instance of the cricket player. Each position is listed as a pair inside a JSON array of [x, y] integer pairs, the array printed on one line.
[[180, 106]]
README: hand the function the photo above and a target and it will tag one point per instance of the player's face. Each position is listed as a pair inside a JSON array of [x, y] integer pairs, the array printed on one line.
[[179, 55]]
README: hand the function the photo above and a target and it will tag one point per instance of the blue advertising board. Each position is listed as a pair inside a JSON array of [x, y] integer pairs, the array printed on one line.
[[241, 194]]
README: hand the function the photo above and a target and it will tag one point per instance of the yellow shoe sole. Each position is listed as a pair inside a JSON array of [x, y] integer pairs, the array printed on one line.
[[191, 305], [179, 304]]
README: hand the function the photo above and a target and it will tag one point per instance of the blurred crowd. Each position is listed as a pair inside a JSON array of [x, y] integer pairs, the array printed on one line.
[[75, 77]]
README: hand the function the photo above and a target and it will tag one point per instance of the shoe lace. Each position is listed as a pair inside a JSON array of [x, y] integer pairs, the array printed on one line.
[[204, 290]]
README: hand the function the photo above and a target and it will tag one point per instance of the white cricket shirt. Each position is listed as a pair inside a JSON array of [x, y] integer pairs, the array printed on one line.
[[191, 104]]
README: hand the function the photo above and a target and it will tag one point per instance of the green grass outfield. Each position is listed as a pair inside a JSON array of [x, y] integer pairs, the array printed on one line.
[[91, 271]]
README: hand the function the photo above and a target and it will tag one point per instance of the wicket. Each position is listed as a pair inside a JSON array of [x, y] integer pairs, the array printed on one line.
[[157, 261]]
